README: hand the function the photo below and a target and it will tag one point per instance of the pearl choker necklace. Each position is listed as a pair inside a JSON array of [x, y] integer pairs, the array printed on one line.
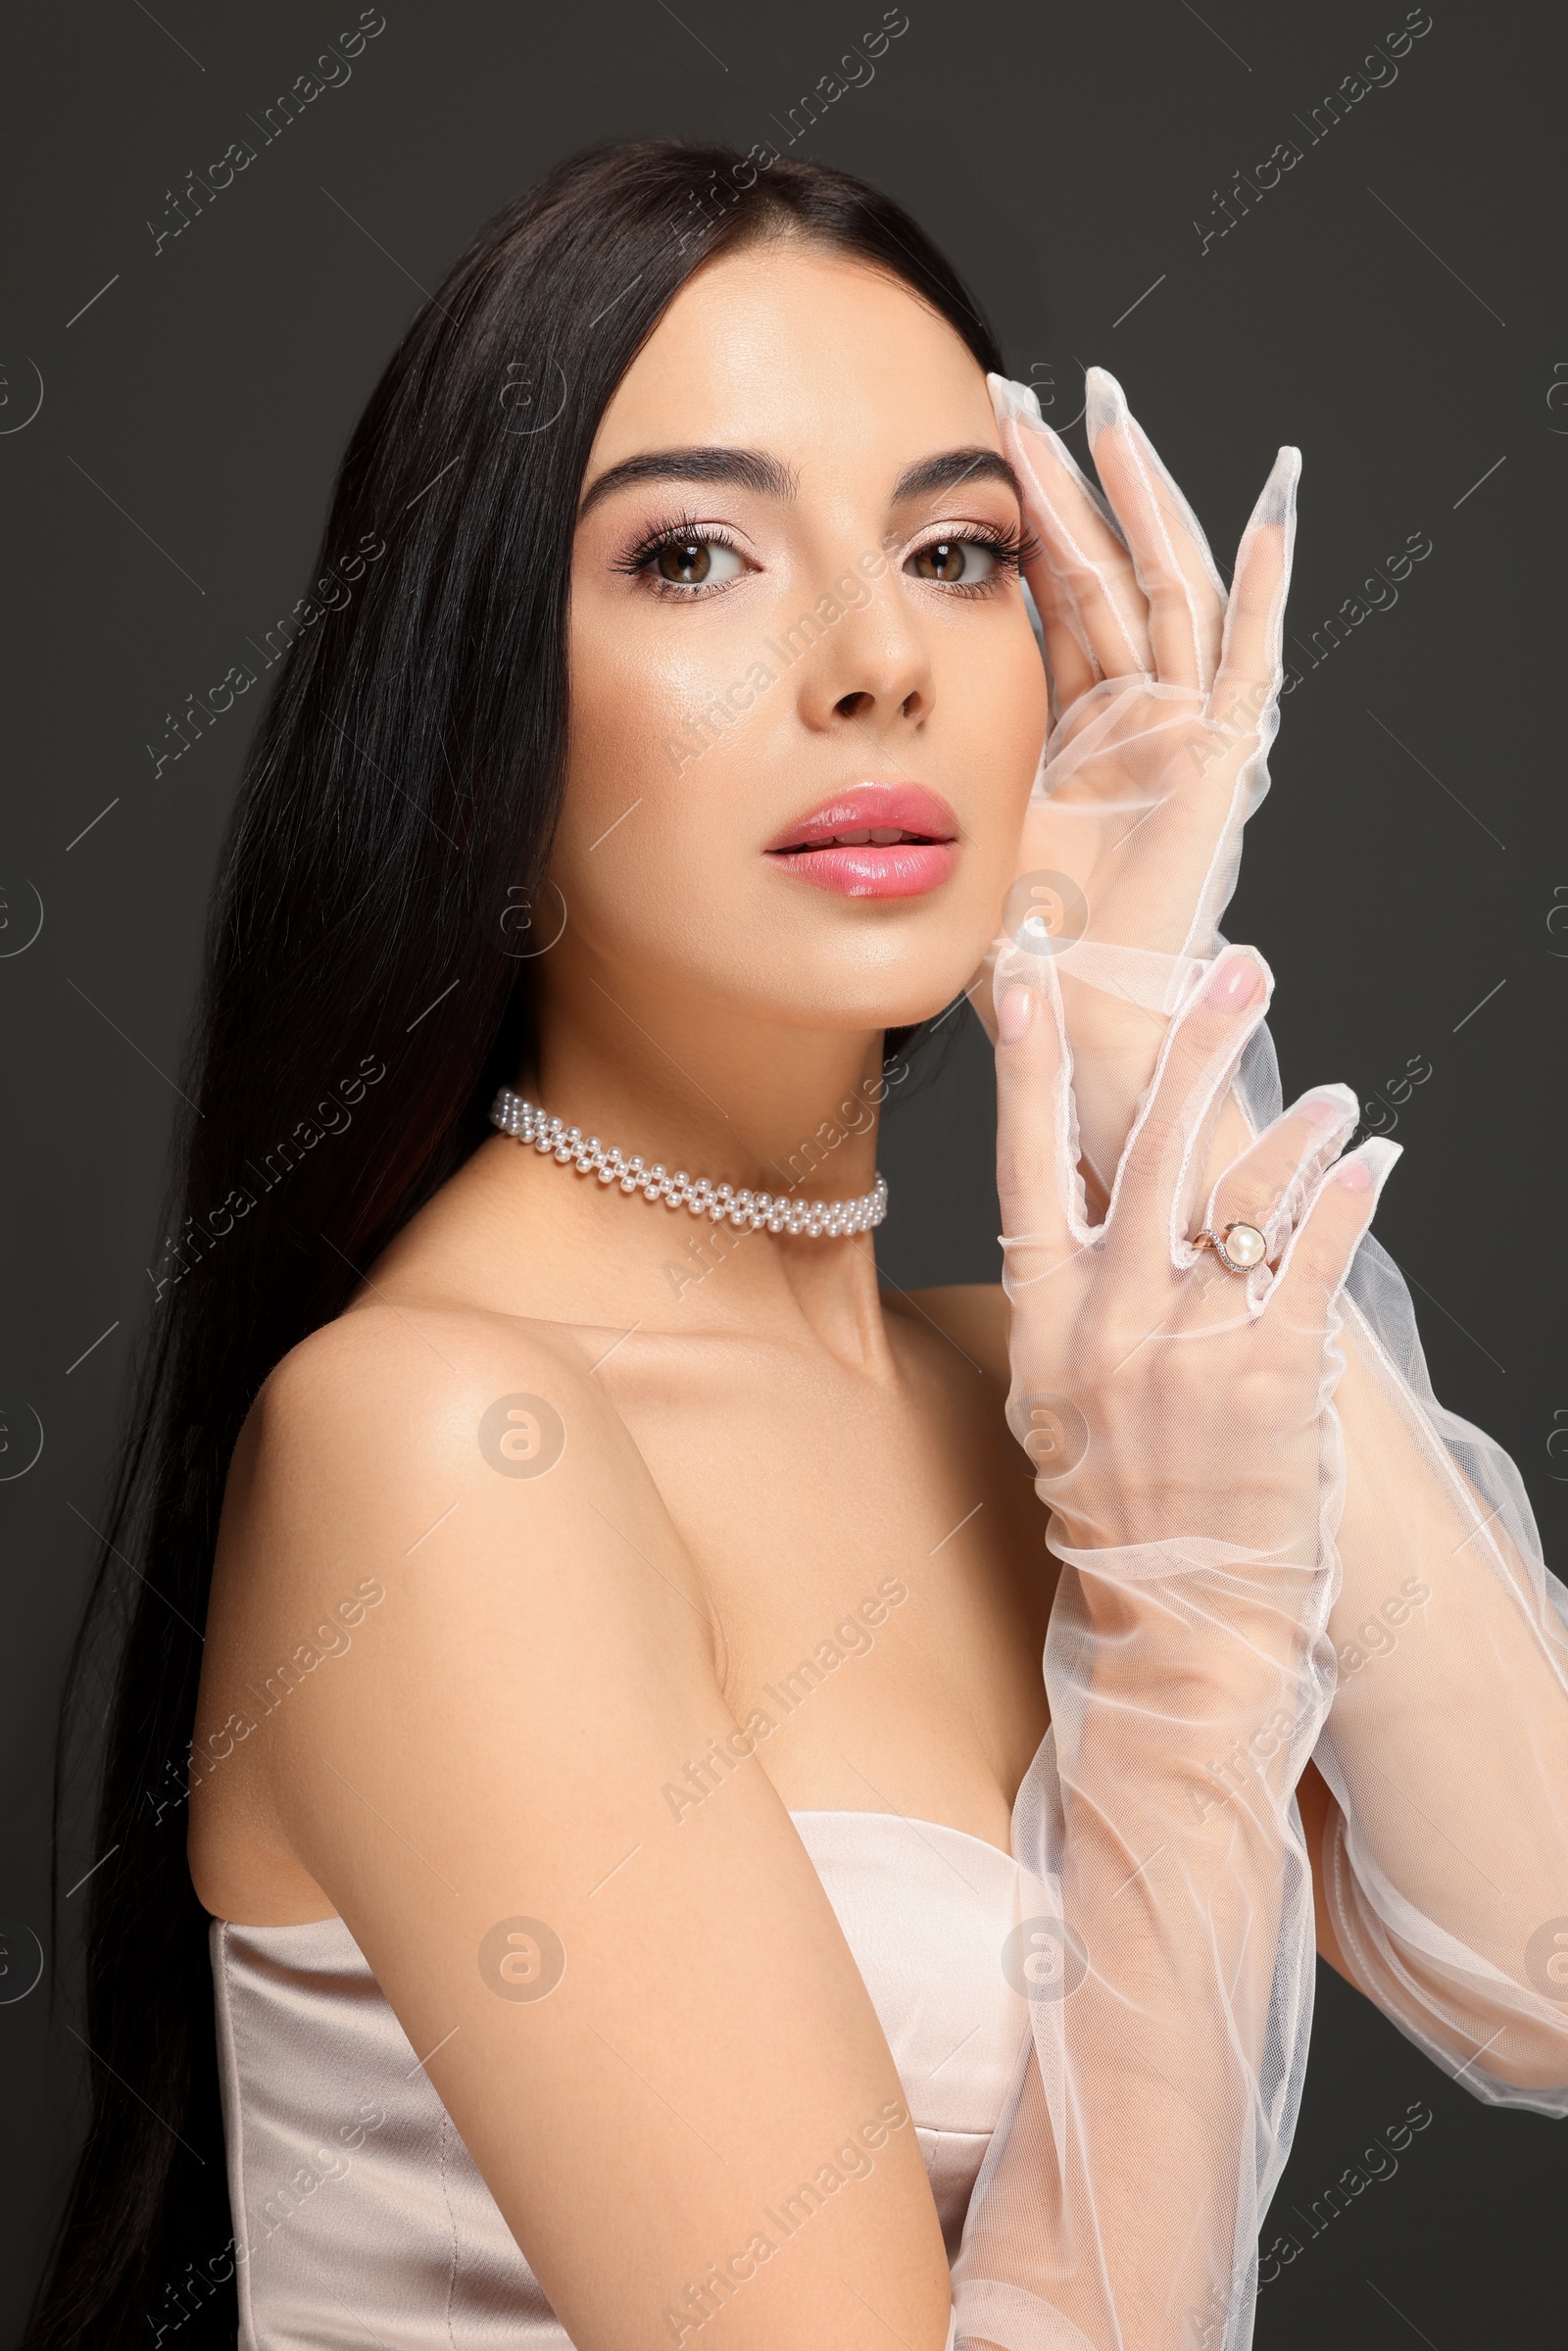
[[762, 1212]]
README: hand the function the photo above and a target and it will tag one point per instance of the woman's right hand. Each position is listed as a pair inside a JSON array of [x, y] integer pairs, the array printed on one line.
[[1173, 1410]]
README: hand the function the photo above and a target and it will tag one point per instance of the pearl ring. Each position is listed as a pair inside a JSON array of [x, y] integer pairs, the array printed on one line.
[[1239, 1247]]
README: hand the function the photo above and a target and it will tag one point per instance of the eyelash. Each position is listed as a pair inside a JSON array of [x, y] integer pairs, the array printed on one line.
[[681, 533], [1012, 549]]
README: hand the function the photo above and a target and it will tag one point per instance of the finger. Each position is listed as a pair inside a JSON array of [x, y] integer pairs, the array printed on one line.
[[1319, 1253], [1038, 1183], [1251, 654], [981, 994], [1151, 1199], [1082, 580], [1171, 560], [1070, 662], [1268, 1184]]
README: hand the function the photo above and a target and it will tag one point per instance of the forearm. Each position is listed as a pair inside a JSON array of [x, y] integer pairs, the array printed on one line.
[[1174, 1929], [1448, 1742]]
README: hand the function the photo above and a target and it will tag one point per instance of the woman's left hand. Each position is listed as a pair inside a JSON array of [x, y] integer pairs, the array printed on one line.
[[1164, 697]]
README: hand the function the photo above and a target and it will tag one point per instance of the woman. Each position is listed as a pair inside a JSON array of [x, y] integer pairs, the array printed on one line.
[[650, 1885]]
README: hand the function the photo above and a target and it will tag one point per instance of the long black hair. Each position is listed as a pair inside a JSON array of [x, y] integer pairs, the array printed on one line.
[[367, 986]]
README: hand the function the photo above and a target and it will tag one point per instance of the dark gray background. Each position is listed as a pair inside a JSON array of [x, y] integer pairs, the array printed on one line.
[[1393, 305]]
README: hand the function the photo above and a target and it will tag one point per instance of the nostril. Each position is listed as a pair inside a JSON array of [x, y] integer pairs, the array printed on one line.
[[849, 706]]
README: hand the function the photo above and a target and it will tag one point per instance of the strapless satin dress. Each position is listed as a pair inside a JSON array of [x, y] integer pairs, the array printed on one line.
[[356, 2232]]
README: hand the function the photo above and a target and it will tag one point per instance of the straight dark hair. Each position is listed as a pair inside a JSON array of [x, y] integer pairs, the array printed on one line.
[[365, 987]]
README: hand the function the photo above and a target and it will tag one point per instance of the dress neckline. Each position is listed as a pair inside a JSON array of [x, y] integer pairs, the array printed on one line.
[[831, 1812], [906, 1820]]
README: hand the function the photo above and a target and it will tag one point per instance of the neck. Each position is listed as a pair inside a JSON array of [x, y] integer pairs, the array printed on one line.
[[746, 1102], [711, 1090]]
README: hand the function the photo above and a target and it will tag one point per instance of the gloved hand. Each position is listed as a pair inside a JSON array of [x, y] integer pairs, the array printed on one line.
[[1180, 1420], [1164, 694]]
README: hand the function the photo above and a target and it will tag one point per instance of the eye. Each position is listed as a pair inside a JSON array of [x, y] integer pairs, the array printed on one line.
[[690, 560], [955, 563]]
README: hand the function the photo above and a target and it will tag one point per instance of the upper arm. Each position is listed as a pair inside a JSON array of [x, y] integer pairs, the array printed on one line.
[[641, 2011], [1316, 1804]]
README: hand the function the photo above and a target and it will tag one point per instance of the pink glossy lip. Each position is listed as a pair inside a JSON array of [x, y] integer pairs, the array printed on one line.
[[836, 845]]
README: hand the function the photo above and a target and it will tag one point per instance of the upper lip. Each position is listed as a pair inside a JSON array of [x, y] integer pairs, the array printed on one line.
[[868, 808]]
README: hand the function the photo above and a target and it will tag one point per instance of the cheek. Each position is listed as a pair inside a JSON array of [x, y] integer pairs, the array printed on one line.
[[990, 721], [657, 826], [633, 693]]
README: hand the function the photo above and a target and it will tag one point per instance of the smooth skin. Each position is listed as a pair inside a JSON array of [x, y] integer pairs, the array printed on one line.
[[748, 1455]]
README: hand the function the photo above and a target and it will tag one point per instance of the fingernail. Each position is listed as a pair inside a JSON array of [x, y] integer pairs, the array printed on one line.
[[1235, 984], [1278, 496], [1355, 1175], [1104, 402], [1323, 1110], [1014, 1015]]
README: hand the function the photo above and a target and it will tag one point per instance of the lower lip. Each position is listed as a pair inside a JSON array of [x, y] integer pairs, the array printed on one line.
[[901, 869]]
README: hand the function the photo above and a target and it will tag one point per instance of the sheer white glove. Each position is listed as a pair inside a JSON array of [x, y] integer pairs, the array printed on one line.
[[1445, 1858], [1164, 698], [1181, 1424]]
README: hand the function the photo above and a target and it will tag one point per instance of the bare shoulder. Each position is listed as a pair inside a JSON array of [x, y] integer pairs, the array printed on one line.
[[366, 1408], [458, 1669], [385, 1425], [450, 1496], [974, 1315]]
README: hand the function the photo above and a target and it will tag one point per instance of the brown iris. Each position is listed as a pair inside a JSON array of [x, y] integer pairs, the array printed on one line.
[[944, 560], [686, 562]]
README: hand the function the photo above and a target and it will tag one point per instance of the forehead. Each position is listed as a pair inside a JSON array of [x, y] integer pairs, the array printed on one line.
[[808, 355]]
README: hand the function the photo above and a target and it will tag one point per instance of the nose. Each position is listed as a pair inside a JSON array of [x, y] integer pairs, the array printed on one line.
[[869, 663]]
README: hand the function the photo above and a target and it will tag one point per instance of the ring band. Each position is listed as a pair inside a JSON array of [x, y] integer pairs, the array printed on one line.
[[1239, 1247]]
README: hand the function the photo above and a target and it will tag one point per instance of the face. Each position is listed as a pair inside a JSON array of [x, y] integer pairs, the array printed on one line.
[[806, 704]]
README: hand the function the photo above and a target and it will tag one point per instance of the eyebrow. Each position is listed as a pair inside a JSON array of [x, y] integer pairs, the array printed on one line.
[[741, 468], [952, 467], [754, 469]]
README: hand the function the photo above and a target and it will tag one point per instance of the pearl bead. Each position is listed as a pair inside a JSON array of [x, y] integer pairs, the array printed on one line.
[[529, 1124], [1245, 1245]]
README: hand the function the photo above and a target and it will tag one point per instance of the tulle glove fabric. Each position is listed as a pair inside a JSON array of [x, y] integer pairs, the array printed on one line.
[[1164, 702], [1446, 1860], [1182, 1427], [1447, 1748]]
